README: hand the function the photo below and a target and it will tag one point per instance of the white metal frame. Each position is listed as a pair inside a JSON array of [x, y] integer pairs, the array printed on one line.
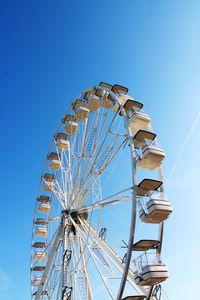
[[68, 191]]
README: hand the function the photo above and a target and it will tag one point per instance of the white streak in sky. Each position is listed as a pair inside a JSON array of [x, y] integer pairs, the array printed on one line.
[[4, 280], [179, 156]]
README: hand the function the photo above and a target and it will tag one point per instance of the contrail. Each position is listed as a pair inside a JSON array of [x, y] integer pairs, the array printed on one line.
[[196, 121]]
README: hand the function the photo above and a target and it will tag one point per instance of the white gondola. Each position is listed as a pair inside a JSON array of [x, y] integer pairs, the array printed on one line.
[[44, 208], [149, 269], [41, 231], [151, 155], [81, 109], [70, 124], [37, 281], [106, 102], [121, 93], [137, 117], [154, 207], [49, 182], [92, 100], [105, 99], [39, 256], [54, 161], [62, 142]]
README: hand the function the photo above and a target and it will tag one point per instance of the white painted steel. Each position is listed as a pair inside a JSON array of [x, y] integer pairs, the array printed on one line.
[[97, 137]]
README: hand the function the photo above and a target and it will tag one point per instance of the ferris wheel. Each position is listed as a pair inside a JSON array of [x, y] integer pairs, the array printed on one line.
[[100, 209]]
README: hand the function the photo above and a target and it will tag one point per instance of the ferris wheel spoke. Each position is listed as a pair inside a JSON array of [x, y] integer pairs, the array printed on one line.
[[101, 164], [71, 270], [105, 137], [92, 182], [96, 158], [67, 177], [88, 242], [63, 170], [105, 155], [74, 144], [107, 249], [57, 191], [80, 154], [85, 271], [82, 282], [53, 276], [58, 295], [112, 200], [92, 135], [107, 258], [92, 179], [92, 255], [113, 155], [97, 131]]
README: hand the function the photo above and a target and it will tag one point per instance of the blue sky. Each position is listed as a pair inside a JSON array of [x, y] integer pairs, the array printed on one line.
[[50, 52]]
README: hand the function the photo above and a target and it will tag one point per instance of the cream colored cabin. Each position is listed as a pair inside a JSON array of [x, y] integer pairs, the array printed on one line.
[[157, 210], [103, 85], [152, 155], [37, 281], [149, 268], [152, 275], [62, 142], [70, 124], [54, 161], [49, 182], [105, 100], [154, 208], [44, 208], [81, 109], [41, 231], [138, 119], [89, 93], [39, 256], [93, 102], [92, 99], [121, 93]]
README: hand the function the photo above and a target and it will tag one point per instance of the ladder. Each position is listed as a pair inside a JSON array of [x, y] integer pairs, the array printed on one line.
[[98, 253], [91, 139]]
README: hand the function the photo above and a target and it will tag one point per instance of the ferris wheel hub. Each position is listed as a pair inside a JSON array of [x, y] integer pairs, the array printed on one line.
[[75, 215]]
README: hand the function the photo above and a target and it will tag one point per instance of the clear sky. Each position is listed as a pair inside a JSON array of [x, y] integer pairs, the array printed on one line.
[[51, 51]]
